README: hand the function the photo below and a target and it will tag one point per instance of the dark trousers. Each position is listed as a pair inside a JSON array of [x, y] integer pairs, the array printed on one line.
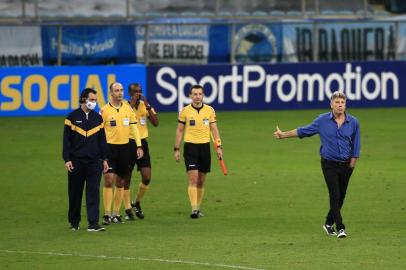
[[337, 176], [88, 171]]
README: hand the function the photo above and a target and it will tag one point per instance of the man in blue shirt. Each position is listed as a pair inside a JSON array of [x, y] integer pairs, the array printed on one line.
[[340, 148]]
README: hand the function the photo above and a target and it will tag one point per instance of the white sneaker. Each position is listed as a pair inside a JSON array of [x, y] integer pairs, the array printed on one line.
[[341, 234]]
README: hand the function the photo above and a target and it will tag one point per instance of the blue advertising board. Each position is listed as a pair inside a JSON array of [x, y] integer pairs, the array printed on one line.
[[85, 45], [56, 90], [279, 86]]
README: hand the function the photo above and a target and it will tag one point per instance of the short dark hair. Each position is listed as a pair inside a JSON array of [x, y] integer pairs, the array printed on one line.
[[196, 86], [132, 85], [85, 94]]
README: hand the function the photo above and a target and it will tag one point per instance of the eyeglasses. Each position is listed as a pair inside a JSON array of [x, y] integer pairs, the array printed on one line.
[[338, 94]]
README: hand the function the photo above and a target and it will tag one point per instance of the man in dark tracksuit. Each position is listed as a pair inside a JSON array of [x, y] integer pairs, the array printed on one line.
[[84, 152]]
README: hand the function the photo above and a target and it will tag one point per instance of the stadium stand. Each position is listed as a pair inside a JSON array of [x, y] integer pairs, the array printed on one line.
[[138, 9]]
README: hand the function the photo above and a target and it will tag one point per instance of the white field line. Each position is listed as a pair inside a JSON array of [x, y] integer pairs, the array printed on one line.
[[130, 258]]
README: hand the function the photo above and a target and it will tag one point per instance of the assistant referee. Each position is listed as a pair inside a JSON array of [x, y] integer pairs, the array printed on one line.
[[195, 122], [119, 122]]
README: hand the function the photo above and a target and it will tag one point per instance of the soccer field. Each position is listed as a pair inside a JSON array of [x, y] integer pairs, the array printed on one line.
[[266, 214]]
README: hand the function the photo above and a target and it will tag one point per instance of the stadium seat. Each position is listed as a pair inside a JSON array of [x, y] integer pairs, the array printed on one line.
[[259, 13], [188, 14], [11, 9], [207, 14], [170, 14], [225, 13], [294, 13], [242, 13], [328, 12], [345, 13], [277, 13]]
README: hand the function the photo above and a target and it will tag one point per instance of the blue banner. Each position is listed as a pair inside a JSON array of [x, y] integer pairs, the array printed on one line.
[[343, 41], [84, 45], [258, 43], [279, 86], [56, 90]]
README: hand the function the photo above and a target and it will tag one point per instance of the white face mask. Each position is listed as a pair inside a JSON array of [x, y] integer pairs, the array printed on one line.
[[90, 105]]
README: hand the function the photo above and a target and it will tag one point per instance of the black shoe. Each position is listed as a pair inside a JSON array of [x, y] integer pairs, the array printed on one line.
[[106, 220], [342, 234], [117, 219], [195, 214], [329, 229], [95, 228], [74, 227], [129, 215], [137, 209]]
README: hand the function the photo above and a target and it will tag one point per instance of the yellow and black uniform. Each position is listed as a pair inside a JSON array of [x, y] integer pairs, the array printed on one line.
[[197, 136], [142, 114], [117, 125], [84, 144]]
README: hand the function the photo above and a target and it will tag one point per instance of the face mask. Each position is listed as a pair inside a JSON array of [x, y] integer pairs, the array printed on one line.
[[90, 105]]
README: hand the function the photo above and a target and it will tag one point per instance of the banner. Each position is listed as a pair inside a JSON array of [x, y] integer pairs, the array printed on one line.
[[20, 46], [341, 41], [401, 50], [56, 90], [84, 45], [174, 43], [258, 43], [279, 86]]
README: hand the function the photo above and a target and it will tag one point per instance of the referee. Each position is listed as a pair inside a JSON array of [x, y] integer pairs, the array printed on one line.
[[144, 112], [84, 148], [195, 122], [119, 122], [340, 148]]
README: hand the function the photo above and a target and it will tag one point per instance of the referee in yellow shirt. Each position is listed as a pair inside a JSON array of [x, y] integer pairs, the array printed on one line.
[[119, 122], [144, 112], [195, 122]]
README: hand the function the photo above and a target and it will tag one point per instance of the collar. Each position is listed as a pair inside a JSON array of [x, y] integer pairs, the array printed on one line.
[[121, 105], [197, 109], [346, 120]]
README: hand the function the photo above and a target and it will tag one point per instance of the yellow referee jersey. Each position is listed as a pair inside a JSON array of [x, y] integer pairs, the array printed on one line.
[[197, 123], [117, 122], [142, 116]]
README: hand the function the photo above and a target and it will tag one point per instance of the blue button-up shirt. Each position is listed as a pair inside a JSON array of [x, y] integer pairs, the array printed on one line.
[[337, 143]]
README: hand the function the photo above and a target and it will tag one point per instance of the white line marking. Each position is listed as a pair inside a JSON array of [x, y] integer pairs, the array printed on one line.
[[129, 258]]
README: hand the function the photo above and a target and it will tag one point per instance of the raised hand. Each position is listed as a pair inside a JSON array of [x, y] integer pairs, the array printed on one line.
[[278, 134]]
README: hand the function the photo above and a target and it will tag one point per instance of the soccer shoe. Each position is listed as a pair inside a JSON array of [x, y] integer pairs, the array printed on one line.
[[200, 213], [329, 230], [129, 215], [106, 220], [95, 228], [74, 227], [194, 214], [137, 209], [341, 234], [117, 219]]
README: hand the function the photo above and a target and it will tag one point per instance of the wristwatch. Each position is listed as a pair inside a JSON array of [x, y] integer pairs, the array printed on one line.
[[176, 149]]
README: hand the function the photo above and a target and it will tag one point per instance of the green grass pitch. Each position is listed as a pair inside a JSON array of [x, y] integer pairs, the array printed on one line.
[[266, 214]]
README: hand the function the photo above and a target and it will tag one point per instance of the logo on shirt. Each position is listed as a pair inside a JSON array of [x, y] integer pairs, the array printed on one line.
[[192, 122], [113, 123], [206, 121]]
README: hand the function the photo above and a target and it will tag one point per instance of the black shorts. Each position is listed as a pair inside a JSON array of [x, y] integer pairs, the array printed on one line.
[[197, 157], [145, 161], [118, 159]]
